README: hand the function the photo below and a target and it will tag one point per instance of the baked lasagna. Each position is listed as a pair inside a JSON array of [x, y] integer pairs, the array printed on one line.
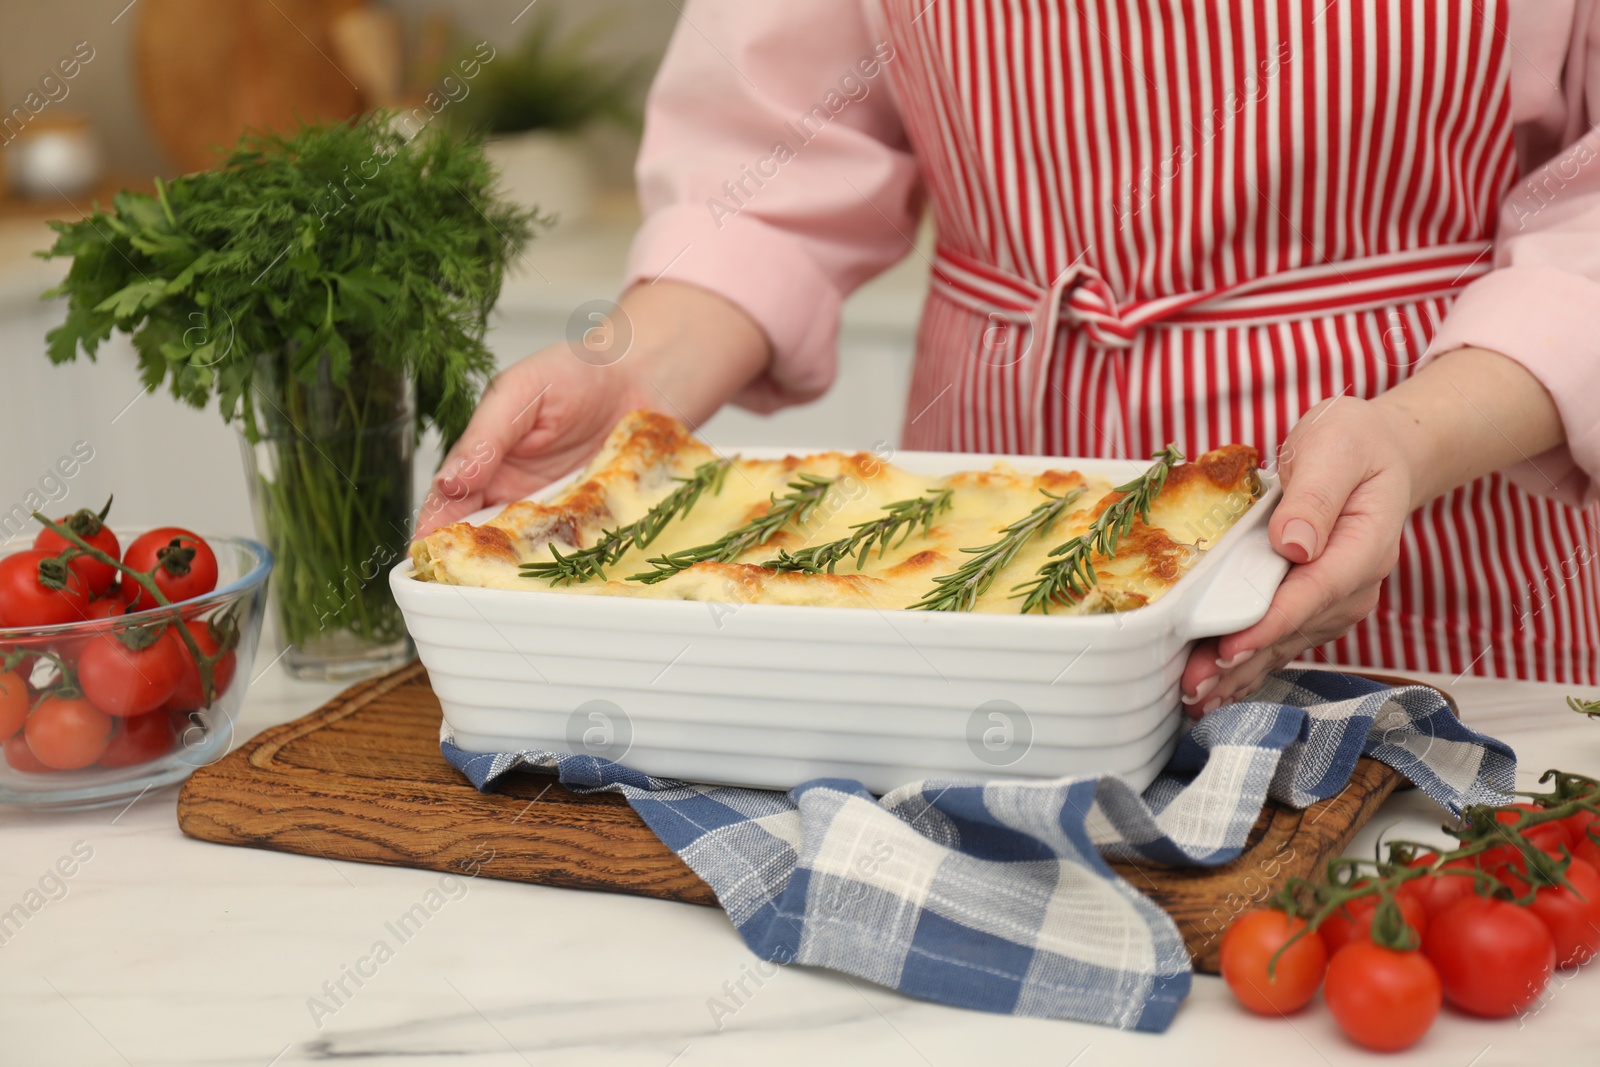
[[660, 514]]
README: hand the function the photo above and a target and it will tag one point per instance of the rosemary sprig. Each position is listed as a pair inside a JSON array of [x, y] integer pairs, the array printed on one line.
[[1070, 572], [960, 589], [795, 506], [902, 517], [589, 563]]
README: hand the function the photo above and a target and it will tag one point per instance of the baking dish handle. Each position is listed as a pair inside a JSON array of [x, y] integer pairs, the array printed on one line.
[[1240, 589]]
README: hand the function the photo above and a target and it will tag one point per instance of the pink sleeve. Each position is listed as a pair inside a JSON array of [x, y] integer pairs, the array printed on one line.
[[775, 173], [1541, 304]]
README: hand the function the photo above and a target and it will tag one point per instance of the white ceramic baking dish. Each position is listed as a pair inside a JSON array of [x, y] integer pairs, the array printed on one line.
[[773, 695]]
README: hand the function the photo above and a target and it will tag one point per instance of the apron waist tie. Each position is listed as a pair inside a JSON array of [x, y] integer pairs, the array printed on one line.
[[1081, 298]]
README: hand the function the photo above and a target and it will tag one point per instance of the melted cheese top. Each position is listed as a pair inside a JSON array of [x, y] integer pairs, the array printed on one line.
[[647, 454]]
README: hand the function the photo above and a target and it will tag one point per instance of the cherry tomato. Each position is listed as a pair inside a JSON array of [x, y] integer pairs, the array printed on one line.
[[1247, 948], [1438, 891], [189, 696], [139, 740], [1382, 999], [97, 576], [1580, 825], [25, 599], [1353, 922], [21, 758], [1515, 866], [1571, 915], [97, 611], [67, 732], [182, 564], [1551, 837], [127, 681], [1510, 813], [1493, 957], [13, 703], [1589, 852], [1497, 858]]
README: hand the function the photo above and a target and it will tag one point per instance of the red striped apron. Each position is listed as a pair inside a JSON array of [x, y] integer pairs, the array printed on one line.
[[1175, 220]]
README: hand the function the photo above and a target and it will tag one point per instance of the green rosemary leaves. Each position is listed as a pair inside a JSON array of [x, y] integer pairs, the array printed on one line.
[[902, 518], [960, 590], [1067, 576], [589, 563], [1070, 572], [795, 506]]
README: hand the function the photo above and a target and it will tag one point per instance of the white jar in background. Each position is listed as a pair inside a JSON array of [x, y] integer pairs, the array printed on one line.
[[54, 155], [546, 169]]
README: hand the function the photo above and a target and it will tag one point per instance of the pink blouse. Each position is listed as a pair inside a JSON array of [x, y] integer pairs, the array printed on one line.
[[785, 221]]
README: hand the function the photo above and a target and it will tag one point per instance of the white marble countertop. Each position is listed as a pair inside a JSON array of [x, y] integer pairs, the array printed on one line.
[[168, 951]]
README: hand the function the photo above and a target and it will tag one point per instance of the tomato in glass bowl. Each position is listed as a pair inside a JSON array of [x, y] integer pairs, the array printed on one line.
[[60, 749]]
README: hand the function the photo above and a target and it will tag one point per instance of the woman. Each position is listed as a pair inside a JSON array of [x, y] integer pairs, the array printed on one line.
[[1366, 232]]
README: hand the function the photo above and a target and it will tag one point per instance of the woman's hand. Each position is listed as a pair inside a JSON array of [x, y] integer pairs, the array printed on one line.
[[1352, 471], [669, 346], [1346, 494], [538, 420]]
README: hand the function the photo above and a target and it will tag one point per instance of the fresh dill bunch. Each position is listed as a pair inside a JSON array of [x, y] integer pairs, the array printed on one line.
[[340, 248], [960, 589], [806, 492], [588, 563], [1070, 572], [902, 518]]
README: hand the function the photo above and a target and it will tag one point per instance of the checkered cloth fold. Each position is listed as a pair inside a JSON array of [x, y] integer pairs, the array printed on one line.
[[995, 895]]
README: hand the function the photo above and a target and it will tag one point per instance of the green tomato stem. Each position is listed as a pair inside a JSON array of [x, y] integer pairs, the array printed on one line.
[[205, 664], [1482, 831]]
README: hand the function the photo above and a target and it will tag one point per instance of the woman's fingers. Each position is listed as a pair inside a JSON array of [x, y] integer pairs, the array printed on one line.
[[509, 409], [1319, 601], [440, 508], [1200, 675], [1346, 494], [1319, 469], [1312, 607]]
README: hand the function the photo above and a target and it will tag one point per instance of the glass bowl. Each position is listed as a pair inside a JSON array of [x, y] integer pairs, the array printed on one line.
[[172, 741]]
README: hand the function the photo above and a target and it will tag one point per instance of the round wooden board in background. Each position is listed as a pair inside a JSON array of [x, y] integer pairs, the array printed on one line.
[[208, 71]]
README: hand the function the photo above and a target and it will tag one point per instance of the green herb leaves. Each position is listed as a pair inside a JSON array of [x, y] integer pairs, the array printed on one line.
[[806, 492], [902, 517], [342, 245], [553, 79], [612, 545], [960, 590], [1070, 572]]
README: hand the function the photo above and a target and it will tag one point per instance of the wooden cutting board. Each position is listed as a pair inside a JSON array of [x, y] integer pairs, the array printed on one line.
[[361, 778]]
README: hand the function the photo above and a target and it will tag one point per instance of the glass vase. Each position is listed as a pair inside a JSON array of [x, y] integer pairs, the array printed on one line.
[[330, 474]]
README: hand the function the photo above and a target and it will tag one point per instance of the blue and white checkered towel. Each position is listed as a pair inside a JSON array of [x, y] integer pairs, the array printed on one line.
[[995, 896]]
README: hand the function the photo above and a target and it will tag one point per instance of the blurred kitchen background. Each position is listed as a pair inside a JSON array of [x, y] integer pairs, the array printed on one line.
[[156, 83]]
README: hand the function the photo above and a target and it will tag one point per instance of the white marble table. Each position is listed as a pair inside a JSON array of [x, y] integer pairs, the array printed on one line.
[[167, 951]]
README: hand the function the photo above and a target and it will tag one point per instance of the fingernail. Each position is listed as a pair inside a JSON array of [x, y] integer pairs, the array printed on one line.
[[1302, 535], [1236, 659], [1211, 705], [453, 466], [1202, 690]]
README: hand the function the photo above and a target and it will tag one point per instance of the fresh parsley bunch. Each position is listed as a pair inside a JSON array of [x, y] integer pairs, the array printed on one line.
[[337, 244]]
